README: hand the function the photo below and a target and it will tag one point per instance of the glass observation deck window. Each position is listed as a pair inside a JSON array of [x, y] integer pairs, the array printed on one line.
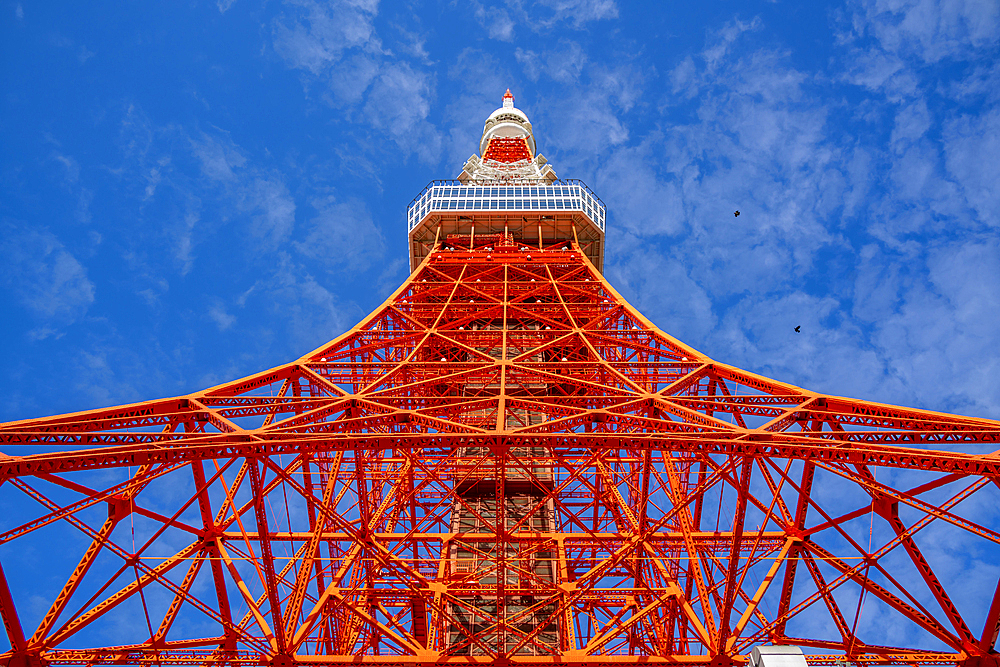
[[451, 196]]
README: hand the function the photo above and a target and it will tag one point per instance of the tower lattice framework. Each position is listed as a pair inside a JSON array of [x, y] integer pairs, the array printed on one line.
[[505, 463]]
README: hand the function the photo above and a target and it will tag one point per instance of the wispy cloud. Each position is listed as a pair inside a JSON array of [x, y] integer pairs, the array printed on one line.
[[314, 35], [342, 236], [217, 221], [304, 311], [271, 206], [564, 64], [580, 12], [926, 30], [343, 59], [398, 105], [497, 21], [584, 114], [218, 156], [478, 78], [744, 128], [48, 281], [82, 53], [222, 319], [505, 20], [227, 172], [944, 325], [971, 143], [864, 177]]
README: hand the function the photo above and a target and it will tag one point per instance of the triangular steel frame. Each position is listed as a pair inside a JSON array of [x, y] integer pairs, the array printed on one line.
[[302, 514]]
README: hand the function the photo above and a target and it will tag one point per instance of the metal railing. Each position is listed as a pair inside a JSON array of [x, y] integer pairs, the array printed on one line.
[[453, 195]]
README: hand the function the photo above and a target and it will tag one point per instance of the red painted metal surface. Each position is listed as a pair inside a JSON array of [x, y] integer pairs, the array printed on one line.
[[306, 514], [507, 149]]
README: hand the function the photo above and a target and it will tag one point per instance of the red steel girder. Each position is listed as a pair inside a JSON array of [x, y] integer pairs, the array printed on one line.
[[696, 509]]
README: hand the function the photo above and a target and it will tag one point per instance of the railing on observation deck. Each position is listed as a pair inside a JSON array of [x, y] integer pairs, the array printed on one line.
[[568, 195]]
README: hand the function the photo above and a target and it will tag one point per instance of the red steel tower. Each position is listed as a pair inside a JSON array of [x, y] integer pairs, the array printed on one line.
[[504, 463]]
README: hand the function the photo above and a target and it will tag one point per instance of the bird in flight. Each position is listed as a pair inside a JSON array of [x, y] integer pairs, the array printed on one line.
[[736, 214], [797, 329]]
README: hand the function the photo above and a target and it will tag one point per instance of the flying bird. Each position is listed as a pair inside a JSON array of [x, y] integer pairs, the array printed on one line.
[[797, 329], [736, 214]]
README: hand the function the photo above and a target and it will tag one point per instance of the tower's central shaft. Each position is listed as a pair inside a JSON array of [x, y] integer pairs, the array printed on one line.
[[507, 199]]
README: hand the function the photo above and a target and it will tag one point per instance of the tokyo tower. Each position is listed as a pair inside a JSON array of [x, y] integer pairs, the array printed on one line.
[[503, 464]]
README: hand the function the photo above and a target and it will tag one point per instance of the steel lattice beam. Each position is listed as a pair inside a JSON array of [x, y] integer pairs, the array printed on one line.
[[308, 513]]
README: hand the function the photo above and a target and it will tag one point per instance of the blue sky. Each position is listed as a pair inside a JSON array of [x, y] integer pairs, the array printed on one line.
[[190, 193]]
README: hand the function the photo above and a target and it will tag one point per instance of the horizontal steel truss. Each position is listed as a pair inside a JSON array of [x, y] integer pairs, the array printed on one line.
[[303, 514]]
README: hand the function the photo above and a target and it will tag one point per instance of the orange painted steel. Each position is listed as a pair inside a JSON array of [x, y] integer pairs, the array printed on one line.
[[312, 513]]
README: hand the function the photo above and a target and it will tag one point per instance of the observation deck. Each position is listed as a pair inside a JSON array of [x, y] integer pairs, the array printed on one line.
[[535, 213]]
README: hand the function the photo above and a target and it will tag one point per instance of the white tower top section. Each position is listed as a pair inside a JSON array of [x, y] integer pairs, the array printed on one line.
[[509, 196], [507, 121], [507, 150]]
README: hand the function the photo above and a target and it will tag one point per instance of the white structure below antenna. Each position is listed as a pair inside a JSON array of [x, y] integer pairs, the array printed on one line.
[[777, 656]]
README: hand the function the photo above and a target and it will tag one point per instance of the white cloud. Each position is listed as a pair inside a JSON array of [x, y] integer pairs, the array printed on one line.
[[314, 35], [340, 53], [70, 169], [184, 241], [218, 156], [309, 313], [497, 21], [351, 78], [757, 144], [223, 320], [720, 44], [152, 180], [564, 64], [264, 196], [113, 370], [653, 203], [582, 115], [399, 99], [479, 78], [399, 104], [503, 19], [943, 334], [929, 30], [414, 43], [980, 84], [834, 228], [342, 236], [890, 40], [912, 122], [71, 166], [971, 144], [827, 354], [44, 276], [877, 71], [162, 164], [83, 54], [659, 284], [272, 208], [583, 121], [580, 12]]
